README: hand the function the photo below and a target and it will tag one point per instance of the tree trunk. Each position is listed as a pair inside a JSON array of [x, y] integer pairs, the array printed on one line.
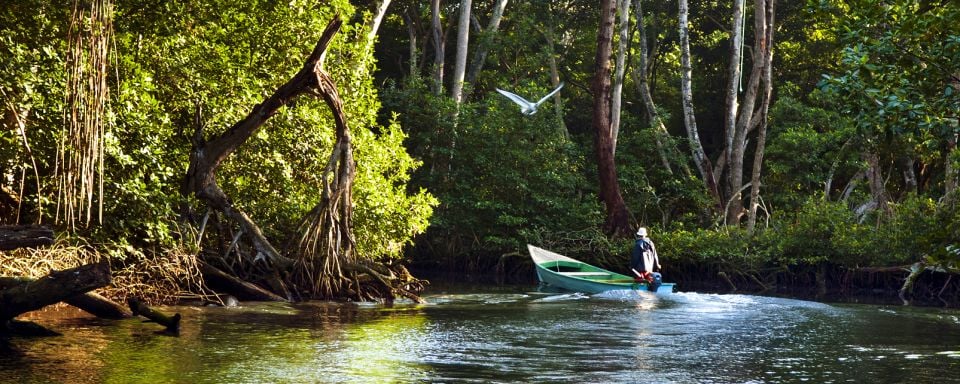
[[768, 13], [90, 302], [875, 181], [689, 116], [555, 77], [243, 290], [412, 35], [139, 308], [460, 65], [618, 217], [24, 236], [616, 96], [438, 47], [375, 23], [641, 78], [747, 119], [480, 55], [909, 176], [951, 173], [734, 74], [362, 66], [206, 157], [52, 289]]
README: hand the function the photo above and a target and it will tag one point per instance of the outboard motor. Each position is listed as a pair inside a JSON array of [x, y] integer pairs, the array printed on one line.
[[655, 284]]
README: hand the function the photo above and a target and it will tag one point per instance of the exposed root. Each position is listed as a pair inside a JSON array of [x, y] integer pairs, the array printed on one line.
[[156, 278], [376, 282]]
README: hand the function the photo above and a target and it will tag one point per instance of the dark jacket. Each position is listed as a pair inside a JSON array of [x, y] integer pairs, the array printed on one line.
[[641, 246]]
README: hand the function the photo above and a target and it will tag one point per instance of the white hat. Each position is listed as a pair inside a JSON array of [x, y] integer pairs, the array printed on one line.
[[642, 232]]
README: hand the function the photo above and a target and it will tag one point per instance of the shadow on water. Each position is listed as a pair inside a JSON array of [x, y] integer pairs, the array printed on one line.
[[503, 334]]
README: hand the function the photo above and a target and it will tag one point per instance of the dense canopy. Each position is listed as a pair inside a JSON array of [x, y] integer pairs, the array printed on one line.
[[762, 142]]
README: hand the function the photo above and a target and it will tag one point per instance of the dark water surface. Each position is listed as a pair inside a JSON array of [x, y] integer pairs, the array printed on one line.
[[505, 335]]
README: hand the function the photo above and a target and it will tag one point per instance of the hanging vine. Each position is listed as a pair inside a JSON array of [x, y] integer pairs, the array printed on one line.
[[79, 167]]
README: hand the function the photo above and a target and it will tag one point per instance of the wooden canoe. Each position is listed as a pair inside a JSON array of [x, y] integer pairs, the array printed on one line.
[[574, 275]]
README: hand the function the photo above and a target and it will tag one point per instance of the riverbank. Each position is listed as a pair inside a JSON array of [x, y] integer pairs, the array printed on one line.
[[828, 285]]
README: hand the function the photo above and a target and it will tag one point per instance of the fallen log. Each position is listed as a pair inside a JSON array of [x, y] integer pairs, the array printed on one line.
[[241, 289], [27, 329], [51, 289], [24, 236], [90, 302], [139, 308]]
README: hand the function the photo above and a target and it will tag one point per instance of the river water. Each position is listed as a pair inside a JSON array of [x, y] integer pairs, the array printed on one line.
[[503, 335]]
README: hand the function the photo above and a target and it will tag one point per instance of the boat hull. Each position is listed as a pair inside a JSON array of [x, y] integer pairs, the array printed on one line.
[[573, 275]]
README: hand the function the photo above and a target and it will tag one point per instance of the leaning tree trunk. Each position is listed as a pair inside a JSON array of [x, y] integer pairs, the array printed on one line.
[[438, 47], [734, 74], [326, 261], [375, 24], [460, 62], [550, 48], [641, 77], [618, 217], [616, 96], [765, 45], [51, 289], [689, 116], [412, 43], [747, 120], [486, 39], [207, 156]]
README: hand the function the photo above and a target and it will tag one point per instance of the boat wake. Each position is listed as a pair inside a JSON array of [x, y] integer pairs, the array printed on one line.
[[626, 295]]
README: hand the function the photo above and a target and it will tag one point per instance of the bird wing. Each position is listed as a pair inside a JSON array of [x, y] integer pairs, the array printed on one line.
[[516, 99], [550, 94]]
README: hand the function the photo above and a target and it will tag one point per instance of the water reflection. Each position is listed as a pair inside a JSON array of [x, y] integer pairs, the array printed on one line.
[[504, 336]]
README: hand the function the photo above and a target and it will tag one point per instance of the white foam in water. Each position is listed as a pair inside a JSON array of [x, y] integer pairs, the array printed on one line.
[[562, 297], [626, 295]]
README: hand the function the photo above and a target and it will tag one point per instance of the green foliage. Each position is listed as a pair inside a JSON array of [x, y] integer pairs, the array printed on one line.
[[388, 216], [823, 231], [653, 194], [177, 64], [730, 248], [32, 46], [808, 147], [892, 76], [502, 178], [922, 228]]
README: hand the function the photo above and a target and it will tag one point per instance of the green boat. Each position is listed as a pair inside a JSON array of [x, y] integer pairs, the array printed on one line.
[[574, 275]]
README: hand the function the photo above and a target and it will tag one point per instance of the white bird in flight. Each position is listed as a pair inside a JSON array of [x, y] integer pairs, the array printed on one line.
[[526, 107]]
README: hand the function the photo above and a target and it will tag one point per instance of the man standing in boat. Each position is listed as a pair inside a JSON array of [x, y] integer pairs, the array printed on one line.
[[644, 259]]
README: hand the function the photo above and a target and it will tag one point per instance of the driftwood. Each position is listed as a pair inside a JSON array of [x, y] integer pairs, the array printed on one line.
[[139, 308], [24, 236], [51, 289], [241, 289], [90, 302]]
